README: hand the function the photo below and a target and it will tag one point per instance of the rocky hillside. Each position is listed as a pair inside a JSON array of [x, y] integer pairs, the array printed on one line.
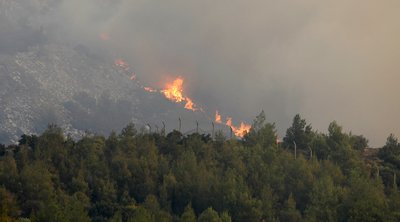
[[79, 91], [46, 80], [51, 83]]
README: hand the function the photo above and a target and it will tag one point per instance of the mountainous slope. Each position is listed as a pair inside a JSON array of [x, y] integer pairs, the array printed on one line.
[[46, 78], [70, 86]]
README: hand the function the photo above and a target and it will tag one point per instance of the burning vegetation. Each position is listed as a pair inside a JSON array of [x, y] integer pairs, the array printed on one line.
[[174, 91], [217, 117], [239, 131]]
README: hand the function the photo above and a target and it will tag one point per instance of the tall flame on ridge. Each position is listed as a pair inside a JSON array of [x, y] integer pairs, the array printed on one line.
[[174, 92]]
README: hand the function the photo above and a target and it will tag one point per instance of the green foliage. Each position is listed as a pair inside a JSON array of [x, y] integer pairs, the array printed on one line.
[[391, 151], [324, 200], [209, 215], [188, 215], [365, 200], [225, 217], [139, 176], [37, 188], [358, 142], [8, 205], [141, 214], [261, 133], [290, 213], [394, 206], [300, 134]]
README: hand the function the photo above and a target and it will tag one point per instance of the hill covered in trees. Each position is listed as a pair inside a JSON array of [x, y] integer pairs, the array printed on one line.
[[142, 176]]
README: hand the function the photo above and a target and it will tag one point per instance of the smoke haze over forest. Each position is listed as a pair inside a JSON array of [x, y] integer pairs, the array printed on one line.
[[327, 60]]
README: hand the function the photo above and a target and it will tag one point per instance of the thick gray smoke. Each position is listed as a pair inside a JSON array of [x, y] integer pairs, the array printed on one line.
[[327, 60]]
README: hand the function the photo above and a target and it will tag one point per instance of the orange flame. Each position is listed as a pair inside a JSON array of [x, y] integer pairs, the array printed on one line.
[[239, 131], [189, 104], [217, 117], [229, 121], [242, 130], [174, 92]]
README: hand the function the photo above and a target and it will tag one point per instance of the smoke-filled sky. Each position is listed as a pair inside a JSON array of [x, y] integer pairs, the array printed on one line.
[[327, 60]]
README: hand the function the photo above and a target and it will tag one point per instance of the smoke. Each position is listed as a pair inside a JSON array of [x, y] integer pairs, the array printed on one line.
[[327, 60]]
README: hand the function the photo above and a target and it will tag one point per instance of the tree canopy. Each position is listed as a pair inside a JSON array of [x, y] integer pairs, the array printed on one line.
[[143, 176]]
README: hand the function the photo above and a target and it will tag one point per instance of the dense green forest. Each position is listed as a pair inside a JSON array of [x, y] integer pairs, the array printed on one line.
[[141, 176]]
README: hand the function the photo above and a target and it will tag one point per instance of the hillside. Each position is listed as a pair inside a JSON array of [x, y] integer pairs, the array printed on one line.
[[75, 89], [45, 80]]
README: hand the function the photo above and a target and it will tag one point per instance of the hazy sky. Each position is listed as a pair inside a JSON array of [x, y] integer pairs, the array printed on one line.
[[327, 60]]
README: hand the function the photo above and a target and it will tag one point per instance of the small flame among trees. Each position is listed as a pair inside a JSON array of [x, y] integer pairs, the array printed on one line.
[[239, 131]]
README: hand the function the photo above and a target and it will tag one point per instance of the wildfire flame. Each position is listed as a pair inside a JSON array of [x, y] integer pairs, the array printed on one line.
[[189, 104], [239, 131], [229, 121], [217, 117], [174, 92]]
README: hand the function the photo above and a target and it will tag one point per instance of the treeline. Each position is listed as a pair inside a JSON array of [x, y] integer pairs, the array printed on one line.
[[141, 176]]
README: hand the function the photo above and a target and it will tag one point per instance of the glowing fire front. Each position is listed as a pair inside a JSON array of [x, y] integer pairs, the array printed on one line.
[[174, 92]]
